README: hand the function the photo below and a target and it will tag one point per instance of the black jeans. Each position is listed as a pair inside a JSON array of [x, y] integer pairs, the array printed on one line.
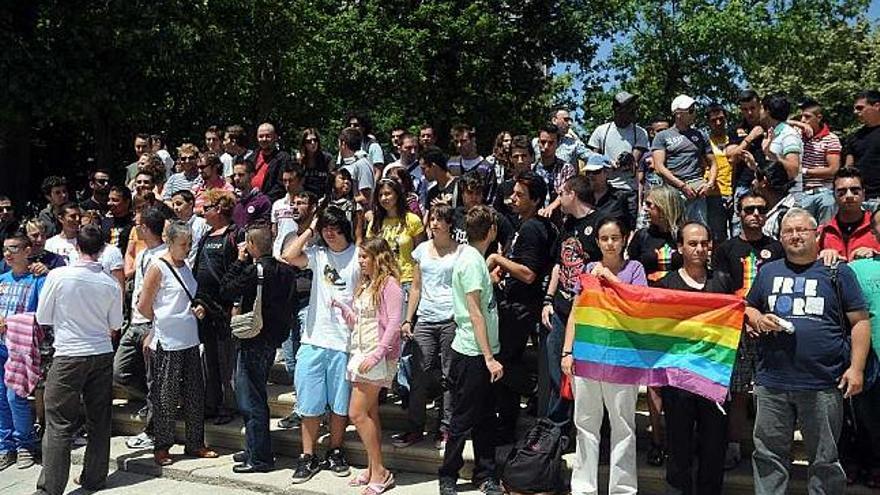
[[218, 362], [430, 368], [684, 411], [255, 358], [473, 416], [89, 377], [860, 442], [516, 322]]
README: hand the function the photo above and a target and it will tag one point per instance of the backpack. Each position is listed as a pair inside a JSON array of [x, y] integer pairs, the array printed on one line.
[[535, 463]]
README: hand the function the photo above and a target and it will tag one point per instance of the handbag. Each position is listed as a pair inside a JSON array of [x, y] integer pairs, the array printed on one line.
[[249, 325], [377, 373], [565, 389]]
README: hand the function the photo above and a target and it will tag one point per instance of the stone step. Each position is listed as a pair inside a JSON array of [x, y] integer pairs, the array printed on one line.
[[420, 458]]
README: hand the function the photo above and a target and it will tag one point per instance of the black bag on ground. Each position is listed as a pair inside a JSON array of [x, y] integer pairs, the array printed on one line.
[[535, 463]]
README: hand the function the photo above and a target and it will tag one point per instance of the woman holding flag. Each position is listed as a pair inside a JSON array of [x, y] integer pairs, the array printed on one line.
[[590, 395]]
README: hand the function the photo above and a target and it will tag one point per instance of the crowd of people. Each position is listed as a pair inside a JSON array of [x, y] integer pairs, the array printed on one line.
[[403, 271]]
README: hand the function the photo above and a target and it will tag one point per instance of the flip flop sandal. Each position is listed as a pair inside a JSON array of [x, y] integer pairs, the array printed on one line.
[[362, 479], [380, 488]]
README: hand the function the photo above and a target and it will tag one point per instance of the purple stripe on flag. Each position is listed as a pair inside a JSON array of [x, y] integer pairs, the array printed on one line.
[[656, 377]]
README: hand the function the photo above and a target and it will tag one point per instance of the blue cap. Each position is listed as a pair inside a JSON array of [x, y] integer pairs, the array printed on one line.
[[597, 161]]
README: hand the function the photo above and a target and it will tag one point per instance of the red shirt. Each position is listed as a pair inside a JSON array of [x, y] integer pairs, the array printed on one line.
[[831, 237], [260, 167]]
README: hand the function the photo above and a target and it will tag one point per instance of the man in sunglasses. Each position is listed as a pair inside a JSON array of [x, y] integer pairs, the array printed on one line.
[[848, 235], [187, 157], [741, 257], [99, 183], [681, 156], [862, 149]]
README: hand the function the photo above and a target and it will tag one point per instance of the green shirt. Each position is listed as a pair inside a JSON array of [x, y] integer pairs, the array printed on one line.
[[471, 274], [868, 274]]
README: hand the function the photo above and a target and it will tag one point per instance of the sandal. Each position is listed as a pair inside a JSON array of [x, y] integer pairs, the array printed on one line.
[[162, 457], [379, 488], [202, 453], [362, 479]]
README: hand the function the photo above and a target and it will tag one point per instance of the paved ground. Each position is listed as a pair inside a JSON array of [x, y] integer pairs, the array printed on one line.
[[137, 475]]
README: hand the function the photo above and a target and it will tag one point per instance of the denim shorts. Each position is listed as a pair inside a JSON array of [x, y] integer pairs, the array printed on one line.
[[320, 381]]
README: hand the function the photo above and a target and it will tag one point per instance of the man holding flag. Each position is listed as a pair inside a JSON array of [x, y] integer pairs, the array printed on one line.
[[805, 366], [685, 409]]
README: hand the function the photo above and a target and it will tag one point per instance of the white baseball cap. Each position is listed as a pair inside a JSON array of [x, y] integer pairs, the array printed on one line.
[[682, 102]]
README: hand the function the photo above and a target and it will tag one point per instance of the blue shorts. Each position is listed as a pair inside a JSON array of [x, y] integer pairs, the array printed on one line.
[[320, 381]]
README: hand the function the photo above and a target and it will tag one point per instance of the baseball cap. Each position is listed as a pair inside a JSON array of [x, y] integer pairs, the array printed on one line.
[[623, 99], [597, 161], [682, 102]]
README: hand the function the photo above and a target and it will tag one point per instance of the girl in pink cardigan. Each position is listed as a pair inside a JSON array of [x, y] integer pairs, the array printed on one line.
[[375, 347]]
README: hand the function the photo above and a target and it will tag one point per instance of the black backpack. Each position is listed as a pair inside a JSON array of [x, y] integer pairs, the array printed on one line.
[[535, 463]]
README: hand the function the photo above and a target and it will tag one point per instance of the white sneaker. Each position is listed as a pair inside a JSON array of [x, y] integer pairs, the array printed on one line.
[[142, 441]]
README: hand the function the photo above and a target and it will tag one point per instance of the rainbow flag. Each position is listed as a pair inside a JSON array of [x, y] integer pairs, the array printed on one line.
[[657, 337]]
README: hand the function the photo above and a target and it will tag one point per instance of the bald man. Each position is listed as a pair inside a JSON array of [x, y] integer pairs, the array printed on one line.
[[269, 162]]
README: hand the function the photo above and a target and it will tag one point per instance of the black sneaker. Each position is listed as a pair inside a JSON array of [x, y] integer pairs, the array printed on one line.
[[291, 421], [307, 466], [491, 487], [7, 459], [335, 463], [240, 457], [447, 486]]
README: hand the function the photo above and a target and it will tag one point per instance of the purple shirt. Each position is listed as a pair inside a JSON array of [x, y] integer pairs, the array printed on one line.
[[255, 206], [633, 272]]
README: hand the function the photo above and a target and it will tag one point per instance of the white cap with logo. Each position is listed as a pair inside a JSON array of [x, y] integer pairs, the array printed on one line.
[[682, 102]]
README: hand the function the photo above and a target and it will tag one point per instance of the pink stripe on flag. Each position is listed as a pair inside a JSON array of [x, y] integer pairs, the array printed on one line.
[[659, 377]]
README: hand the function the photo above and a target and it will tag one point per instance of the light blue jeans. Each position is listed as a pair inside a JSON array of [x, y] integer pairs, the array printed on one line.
[[16, 416]]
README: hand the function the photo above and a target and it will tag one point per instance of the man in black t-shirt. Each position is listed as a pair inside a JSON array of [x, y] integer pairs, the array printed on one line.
[[574, 248], [519, 275], [521, 159], [862, 149], [695, 424], [740, 258]]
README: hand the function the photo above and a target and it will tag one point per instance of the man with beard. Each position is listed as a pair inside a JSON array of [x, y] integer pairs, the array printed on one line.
[[269, 162], [99, 183], [8, 222]]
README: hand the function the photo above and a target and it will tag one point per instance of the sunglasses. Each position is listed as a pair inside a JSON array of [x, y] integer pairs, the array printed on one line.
[[187, 158], [841, 191], [311, 140], [751, 210], [13, 248], [208, 207], [6, 208], [102, 182]]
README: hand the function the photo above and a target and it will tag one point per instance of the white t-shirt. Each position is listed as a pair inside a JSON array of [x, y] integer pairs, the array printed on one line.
[[335, 276], [141, 263], [83, 304], [435, 300], [199, 227], [282, 217], [110, 257]]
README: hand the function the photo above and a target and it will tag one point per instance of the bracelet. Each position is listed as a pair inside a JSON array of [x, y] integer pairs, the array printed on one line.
[[548, 298], [566, 353], [406, 322]]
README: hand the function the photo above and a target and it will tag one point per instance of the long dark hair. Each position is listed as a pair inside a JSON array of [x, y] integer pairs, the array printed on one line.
[[331, 183], [319, 156], [379, 213]]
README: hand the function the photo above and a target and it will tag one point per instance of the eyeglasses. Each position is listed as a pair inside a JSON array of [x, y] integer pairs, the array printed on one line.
[[102, 182], [311, 140], [751, 210], [208, 207], [798, 232], [13, 248], [187, 158], [841, 191]]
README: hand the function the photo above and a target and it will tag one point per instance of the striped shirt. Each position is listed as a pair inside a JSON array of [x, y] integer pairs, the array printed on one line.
[[19, 294], [179, 182], [816, 152]]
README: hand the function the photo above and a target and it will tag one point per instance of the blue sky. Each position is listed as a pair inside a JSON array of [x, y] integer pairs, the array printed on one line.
[[605, 48]]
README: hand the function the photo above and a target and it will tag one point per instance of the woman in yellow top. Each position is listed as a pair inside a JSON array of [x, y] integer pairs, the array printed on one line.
[[392, 221]]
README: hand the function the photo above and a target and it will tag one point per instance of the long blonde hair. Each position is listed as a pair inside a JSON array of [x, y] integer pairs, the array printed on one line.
[[385, 266], [671, 206]]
